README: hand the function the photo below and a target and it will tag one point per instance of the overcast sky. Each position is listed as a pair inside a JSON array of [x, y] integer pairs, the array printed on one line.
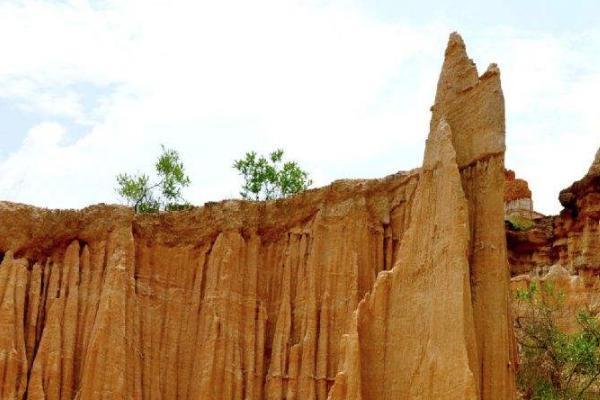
[[92, 88]]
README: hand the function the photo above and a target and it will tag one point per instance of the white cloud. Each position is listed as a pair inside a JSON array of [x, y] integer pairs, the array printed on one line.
[[23, 170], [43, 136], [211, 79], [344, 93]]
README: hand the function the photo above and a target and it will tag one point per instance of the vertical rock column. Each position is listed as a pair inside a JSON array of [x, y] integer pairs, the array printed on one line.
[[111, 367], [13, 359], [438, 325], [474, 108]]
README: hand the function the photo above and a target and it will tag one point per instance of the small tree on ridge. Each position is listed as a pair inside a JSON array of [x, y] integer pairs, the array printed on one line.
[[163, 194], [270, 178]]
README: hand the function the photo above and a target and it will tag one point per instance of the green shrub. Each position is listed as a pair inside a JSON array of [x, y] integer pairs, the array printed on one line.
[[555, 365], [162, 194], [270, 178]]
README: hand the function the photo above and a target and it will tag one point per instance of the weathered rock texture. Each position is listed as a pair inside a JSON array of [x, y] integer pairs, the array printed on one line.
[[455, 243], [397, 324], [245, 300], [231, 301]]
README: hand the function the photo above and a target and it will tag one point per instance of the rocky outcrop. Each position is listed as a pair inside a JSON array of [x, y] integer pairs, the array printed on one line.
[[564, 250], [517, 196], [474, 109], [570, 239], [577, 228], [455, 242], [583, 194], [389, 288]]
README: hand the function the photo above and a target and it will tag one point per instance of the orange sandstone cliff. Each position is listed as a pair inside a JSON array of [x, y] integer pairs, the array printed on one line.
[[396, 288]]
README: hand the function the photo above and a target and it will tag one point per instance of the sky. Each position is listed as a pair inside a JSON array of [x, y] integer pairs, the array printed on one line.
[[89, 89]]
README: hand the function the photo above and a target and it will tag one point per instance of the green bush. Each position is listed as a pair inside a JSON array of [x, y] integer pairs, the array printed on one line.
[[555, 365], [270, 178], [162, 194]]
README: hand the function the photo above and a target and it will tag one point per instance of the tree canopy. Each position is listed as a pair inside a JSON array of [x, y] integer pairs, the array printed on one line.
[[162, 193], [271, 177]]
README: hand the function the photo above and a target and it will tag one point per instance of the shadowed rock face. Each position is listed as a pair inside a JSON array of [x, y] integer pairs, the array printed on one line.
[[564, 249], [394, 288], [570, 239]]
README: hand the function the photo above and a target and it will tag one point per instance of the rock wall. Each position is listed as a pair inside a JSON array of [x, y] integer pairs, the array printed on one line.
[[247, 300], [231, 301]]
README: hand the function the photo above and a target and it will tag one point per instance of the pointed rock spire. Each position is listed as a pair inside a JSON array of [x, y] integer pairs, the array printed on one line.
[[473, 106], [406, 349], [451, 261], [459, 73]]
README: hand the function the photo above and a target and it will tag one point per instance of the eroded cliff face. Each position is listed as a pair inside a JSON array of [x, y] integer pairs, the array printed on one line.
[[564, 250], [280, 299], [231, 301], [570, 239]]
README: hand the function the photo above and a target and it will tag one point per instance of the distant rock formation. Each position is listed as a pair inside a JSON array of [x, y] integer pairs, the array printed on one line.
[[564, 249], [578, 292], [517, 196], [367, 289], [570, 239]]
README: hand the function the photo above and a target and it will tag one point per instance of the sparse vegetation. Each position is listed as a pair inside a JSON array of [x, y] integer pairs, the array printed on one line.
[[162, 194], [555, 365], [270, 178], [519, 223]]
